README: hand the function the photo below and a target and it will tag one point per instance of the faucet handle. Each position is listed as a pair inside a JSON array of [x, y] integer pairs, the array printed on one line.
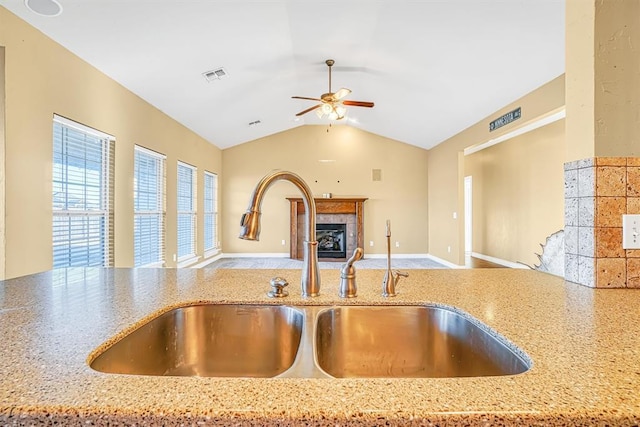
[[277, 288], [400, 273], [348, 288], [390, 280]]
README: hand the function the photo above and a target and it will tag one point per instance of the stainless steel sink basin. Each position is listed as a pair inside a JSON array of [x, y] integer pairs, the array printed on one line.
[[243, 340], [409, 342], [209, 340]]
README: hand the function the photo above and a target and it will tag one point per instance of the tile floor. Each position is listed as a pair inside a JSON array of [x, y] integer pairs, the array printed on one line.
[[287, 263]]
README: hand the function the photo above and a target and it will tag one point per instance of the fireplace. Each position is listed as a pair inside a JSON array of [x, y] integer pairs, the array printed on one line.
[[331, 240], [347, 211]]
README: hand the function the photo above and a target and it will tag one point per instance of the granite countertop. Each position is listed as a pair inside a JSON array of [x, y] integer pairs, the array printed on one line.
[[584, 343]]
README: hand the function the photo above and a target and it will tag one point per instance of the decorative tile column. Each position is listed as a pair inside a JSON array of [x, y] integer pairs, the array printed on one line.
[[598, 191]]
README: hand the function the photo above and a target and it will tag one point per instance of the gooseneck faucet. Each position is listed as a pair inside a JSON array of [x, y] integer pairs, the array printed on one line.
[[250, 227]]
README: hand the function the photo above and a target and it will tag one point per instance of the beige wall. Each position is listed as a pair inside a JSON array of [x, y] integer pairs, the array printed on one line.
[[446, 168], [43, 78], [2, 161], [603, 78], [518, 194], [401, 196], [579, 71]]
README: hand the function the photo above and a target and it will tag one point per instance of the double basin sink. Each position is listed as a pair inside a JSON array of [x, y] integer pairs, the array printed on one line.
[[244, 340]]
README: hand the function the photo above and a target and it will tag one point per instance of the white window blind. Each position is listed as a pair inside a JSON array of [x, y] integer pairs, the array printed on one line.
[[82, 195], [186, 211], [149, 207], [210, 211]]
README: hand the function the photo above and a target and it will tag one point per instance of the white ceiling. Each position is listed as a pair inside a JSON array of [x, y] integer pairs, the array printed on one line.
[[432, 67]]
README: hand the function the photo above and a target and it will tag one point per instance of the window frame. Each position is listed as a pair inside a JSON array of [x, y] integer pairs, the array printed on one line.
[[184, 259], [66, 185], [160, 211], [210, 211]]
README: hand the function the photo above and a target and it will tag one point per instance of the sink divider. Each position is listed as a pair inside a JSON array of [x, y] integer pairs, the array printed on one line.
[[305, 364]]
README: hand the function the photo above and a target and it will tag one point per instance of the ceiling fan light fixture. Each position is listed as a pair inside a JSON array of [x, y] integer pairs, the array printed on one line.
[[331, 104], [341, 93]]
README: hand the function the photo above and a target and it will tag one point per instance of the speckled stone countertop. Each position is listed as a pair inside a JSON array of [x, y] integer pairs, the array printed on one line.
[[584, 343]]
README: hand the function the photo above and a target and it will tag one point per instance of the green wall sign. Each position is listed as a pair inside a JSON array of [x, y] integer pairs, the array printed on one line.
[[505, 119]]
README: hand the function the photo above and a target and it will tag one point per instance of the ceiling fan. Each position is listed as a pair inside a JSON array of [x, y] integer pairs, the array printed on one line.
[[331, 104]]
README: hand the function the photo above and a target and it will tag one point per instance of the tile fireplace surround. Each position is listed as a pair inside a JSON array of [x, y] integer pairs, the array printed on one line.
[[335, 210]]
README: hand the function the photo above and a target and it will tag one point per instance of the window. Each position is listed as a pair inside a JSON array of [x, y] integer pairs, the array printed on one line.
[[186, 211], [82, 195], [210, 211], [149, 207]]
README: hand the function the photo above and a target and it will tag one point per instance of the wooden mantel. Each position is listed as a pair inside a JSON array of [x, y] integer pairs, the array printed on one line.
[[333, 205]]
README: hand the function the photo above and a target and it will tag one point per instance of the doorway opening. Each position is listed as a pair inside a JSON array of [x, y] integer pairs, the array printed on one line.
[[468, 215]]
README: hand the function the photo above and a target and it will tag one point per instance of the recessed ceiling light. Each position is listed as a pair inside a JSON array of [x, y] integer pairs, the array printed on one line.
[[44, 7]]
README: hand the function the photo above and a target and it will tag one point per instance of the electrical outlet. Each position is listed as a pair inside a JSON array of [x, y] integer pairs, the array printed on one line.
[[371, 243], [397, 244], [631, 231], [449, 249], [284, 242], [455, 215], [175, 258]]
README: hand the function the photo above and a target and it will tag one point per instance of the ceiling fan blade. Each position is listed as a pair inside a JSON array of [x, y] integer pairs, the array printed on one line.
[[341, 93], [304, 97], [358, 103], [309, 109]]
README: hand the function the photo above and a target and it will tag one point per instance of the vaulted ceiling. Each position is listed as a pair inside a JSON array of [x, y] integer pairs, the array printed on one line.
[[432, 67]]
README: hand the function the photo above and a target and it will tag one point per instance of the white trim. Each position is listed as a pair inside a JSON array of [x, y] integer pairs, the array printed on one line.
[[187, 165], [445, 262], [211, 253], [517, 132], [207, 261], [187, 261], [377, 256], [149, 152], [82, 128], [500, 261], [158, 264], [255, 255]]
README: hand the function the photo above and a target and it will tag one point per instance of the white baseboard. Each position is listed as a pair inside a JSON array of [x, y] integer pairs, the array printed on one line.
[[207, 261], [371, 256], [444, 261], [256, 255], [500, 261]]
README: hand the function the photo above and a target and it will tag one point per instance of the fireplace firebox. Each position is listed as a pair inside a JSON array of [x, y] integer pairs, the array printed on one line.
[[331, 240]]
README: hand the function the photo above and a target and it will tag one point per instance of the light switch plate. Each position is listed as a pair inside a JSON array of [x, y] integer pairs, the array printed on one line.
[[630, 231]]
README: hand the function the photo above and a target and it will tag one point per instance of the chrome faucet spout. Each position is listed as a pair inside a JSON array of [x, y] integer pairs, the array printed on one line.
[[250, 226]]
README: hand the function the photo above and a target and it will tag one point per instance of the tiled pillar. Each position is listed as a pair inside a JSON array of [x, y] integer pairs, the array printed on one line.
[[598, 191]]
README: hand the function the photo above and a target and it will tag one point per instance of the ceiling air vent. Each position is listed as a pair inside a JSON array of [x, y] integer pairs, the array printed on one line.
[[217, 74]]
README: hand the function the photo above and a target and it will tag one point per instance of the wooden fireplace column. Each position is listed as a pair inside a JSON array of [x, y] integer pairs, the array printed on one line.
[[334, 205]]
